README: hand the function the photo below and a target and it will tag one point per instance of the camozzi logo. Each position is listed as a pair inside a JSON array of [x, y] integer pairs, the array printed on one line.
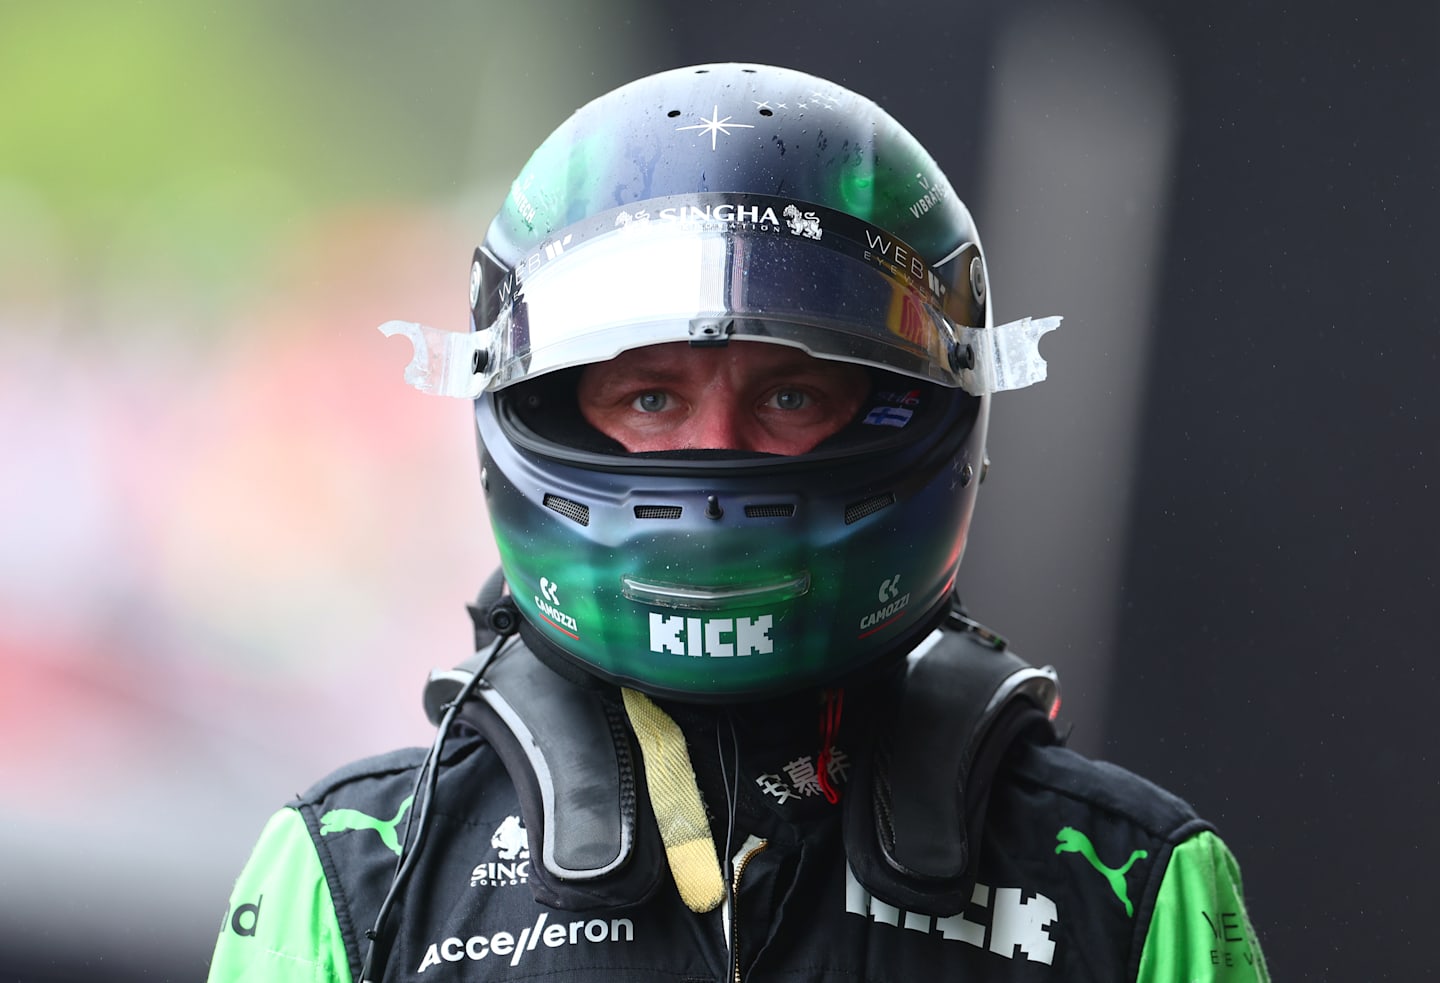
[[548, 601], [1000, 920], [893, 602], [511, 864]]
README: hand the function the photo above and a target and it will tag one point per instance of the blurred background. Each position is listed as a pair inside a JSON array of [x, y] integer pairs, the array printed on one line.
[[232, 542]]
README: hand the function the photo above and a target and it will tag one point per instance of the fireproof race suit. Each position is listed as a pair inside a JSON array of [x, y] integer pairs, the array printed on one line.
[[1085, 873]]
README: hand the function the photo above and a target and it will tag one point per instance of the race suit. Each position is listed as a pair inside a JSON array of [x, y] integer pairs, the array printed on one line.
[[1085, 873]]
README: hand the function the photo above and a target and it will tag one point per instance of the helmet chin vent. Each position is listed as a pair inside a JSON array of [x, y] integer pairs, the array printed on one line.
[[658, 511], [783, 510], [573, 511], [856, 511]]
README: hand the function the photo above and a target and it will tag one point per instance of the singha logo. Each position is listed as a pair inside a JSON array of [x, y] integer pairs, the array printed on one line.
[[512, 846], [510, 839], [805, 224], [640, 219]]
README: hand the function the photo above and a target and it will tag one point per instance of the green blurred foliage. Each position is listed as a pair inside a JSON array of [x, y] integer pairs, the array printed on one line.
[[175, 142]]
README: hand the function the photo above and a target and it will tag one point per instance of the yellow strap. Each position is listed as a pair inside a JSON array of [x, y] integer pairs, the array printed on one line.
[[676, 800]]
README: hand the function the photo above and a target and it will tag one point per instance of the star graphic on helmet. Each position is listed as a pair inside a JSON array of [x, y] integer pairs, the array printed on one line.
[[715, 125]]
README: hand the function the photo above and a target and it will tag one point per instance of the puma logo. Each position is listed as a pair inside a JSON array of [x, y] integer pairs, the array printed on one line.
[[1071, 840], [340, 820]]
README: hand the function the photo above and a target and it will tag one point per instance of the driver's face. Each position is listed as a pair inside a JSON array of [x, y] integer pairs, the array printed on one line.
[[748, 396]]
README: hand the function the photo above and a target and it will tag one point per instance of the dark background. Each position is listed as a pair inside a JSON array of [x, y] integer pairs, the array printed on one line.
[[1274, 649], [1272, 609]]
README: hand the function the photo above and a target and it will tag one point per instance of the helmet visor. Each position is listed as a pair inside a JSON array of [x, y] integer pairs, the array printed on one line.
[[709, 269]]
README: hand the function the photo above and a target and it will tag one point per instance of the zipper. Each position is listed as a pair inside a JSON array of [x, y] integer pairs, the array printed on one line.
[[752, 846]]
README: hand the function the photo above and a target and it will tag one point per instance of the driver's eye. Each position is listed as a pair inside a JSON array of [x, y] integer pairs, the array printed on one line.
[[650, 402], [790, 399]]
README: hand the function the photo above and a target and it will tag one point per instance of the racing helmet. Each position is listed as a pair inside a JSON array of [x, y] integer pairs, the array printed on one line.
[[731, 204]]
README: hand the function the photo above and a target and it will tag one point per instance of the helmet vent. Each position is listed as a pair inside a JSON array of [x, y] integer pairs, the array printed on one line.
[[783, 510], [658, 511], [570, 510], [856, 511]]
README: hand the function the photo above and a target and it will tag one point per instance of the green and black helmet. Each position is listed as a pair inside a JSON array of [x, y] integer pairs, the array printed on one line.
[[732, 205]]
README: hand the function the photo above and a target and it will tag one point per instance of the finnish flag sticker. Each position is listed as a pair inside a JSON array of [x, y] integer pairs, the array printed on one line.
[[889, 416]]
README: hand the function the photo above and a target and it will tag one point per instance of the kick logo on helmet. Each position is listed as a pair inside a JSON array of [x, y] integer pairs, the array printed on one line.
[[717, 638]]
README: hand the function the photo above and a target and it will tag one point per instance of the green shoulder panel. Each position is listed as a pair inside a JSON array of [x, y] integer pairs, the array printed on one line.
[[281, 925], [1200, 931]]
